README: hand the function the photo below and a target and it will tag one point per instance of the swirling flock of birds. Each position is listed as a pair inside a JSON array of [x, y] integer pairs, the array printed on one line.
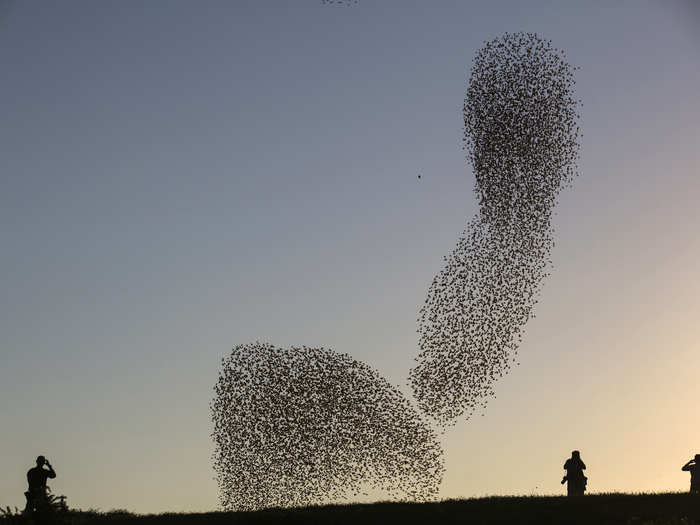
[[522, 141], [338, 2], [304, 426]]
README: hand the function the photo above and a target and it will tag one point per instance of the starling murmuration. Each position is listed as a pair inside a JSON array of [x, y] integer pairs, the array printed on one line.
[[300, 426], [522, 141]]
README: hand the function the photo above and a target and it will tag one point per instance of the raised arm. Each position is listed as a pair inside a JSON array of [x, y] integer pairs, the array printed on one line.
[[686, 467], [51, 473]]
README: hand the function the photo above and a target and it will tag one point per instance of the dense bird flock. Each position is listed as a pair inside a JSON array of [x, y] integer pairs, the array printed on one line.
[[338, 2], [302, 426], [522, 142]]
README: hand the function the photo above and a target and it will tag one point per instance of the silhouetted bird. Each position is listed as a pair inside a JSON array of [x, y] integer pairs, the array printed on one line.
[[693, 466], [574, 475]]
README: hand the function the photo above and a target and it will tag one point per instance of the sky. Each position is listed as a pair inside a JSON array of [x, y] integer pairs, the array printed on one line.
[[180, 177]]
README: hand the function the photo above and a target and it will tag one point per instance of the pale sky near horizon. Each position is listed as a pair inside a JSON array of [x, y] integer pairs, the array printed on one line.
[[180, 177]]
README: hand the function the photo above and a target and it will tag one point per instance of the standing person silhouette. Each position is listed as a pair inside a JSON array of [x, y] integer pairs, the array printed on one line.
[[693, 466], [36, 477], [576, 481]]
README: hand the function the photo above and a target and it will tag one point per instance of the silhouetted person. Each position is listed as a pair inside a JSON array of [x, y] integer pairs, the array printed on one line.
[[693, 466], [36, 477], [576, 481]]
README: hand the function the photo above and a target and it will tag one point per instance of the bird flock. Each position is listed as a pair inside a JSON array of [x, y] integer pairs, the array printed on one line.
[[338, 2], [298, 426], [521, 136]]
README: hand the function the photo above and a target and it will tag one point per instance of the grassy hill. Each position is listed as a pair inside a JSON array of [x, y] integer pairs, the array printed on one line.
[[633, 509]]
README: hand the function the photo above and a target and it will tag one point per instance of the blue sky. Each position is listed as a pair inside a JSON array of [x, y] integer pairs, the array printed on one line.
[[181, 177]]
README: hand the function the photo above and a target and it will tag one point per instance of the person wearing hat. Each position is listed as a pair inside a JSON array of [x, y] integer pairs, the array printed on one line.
[[36, 477], [693, 466]]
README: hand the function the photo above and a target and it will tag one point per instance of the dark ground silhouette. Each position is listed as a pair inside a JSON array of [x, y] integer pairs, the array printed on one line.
[[599, 509]]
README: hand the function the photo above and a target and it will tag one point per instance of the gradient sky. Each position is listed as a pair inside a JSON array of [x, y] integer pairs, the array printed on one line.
[[178, 177]]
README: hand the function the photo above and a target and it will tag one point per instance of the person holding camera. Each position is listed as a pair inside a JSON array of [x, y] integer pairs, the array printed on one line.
[[574, 467], [36, 477], [693, 466]]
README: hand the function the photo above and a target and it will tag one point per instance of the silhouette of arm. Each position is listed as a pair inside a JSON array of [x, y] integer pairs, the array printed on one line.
[[51, 473], [686, 467], [583, 466]]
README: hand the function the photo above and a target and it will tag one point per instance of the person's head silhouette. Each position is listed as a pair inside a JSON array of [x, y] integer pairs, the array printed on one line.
[[697, 458], [576, 454], [40, 461]]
